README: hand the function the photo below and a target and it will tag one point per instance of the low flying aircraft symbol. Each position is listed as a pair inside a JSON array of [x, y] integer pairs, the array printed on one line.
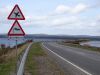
[[16, 14], [16, 29]]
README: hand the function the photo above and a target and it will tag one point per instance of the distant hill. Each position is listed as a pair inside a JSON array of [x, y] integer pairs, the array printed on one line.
[[45, 36]]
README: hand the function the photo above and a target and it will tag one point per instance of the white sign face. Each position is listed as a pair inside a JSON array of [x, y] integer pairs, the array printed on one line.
[[16, 14], [16, 30]]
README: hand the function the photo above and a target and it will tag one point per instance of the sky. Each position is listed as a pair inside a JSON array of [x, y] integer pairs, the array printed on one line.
[[54, 17]]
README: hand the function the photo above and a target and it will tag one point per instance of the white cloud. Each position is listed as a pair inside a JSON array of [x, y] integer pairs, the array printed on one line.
[[79, 8], [69, 24], [60, 21], [61, 9]]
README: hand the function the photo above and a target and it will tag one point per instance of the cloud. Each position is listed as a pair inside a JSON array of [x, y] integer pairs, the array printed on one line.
[[69, 24], [50, 21], [76, 9], [34, 20], [79, 8], [61, 9], [60, 21]]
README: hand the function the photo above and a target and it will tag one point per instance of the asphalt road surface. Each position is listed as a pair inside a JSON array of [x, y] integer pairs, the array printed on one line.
[[76, 60]]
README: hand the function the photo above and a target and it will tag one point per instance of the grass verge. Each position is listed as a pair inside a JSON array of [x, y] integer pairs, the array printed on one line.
[[8, 66], [31, 65], [83, 47], [38, 62]]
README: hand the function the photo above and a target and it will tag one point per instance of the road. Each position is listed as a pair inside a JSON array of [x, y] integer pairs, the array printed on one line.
[[76, 60]]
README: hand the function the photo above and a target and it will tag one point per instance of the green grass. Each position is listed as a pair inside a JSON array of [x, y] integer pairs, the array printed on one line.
[[35, 51], [8, 66], [83, 47]]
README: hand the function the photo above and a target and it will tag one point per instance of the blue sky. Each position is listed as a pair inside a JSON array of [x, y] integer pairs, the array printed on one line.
[[66, 17]]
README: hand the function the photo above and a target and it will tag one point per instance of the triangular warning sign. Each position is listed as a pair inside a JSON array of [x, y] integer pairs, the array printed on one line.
[[16, 14], [16, 30]]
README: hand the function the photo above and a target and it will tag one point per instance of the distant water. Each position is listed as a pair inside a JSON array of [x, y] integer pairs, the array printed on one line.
[[11, 41], [92, 43]]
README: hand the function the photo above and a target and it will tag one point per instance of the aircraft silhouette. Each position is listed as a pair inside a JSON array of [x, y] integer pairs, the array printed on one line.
[[16, 29], [16, 14]]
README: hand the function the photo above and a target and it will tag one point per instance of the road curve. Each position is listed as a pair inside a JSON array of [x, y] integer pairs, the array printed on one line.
[[76, 60]]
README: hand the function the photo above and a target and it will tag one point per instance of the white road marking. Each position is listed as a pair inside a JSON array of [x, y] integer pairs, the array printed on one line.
[[68, 61]]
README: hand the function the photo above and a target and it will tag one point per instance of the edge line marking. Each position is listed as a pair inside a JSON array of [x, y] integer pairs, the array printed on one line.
[[68, 61]]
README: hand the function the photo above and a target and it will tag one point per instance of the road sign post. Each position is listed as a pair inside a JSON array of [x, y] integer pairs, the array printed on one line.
[[16, 30], [16, 56]]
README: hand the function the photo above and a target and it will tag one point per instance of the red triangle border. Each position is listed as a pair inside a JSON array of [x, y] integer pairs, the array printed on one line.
[[19, 11], [16, 34]]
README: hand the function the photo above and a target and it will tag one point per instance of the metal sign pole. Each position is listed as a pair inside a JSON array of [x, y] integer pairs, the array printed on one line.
[[8, 42], [16, 55], [9, 38]]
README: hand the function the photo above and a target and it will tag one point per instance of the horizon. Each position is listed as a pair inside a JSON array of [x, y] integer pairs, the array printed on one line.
[[57, 35]]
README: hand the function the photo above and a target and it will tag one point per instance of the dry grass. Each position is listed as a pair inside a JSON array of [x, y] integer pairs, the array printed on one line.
[[7, 67]]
